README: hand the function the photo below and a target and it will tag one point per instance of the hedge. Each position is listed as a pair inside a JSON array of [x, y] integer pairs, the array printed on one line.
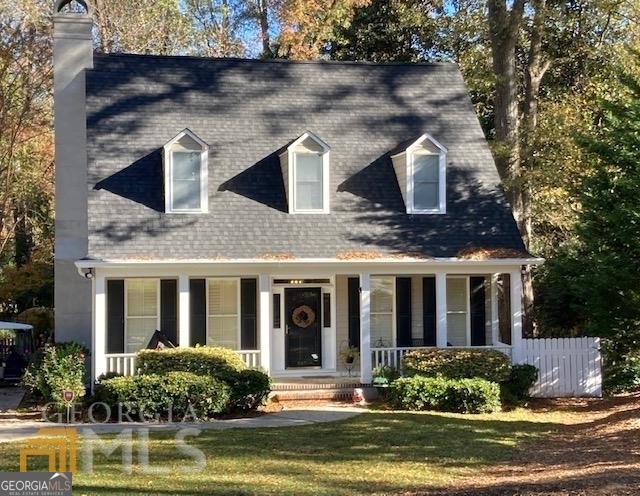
[[146, 396], [488, 364], [446, 395], [213, 361]]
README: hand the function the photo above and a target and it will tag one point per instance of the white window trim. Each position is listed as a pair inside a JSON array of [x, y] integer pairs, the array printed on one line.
[[127, 281], [394, 338], [168, 150], [238, 314], [292, 152], [467, 310], [417, 147]]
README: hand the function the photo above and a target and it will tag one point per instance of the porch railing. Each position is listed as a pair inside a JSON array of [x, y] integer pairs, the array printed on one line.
[[392, 356], [125, 363], [250, 357], [122, 363]]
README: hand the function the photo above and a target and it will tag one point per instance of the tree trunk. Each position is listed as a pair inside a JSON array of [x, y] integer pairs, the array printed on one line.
[[263, 21]]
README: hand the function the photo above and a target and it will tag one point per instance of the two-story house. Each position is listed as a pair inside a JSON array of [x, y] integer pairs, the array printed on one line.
[[282, 209]]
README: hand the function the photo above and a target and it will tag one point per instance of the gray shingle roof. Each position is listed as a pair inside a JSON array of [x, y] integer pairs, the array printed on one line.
[[247, 111]]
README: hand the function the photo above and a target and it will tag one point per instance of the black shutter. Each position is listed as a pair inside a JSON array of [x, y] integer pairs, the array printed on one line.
[[115, 316], [478, 317], [429, 311], [169, 309], [198, 311], [248, 314], [354, 311], [403, 311]]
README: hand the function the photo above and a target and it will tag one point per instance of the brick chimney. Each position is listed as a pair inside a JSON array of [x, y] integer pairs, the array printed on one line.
[[72, 55]]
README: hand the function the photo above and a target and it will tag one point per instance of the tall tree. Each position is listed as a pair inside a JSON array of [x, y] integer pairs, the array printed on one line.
[[26, 141]]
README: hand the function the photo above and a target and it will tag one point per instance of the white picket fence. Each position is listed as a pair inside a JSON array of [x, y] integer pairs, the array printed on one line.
[[566, 366]]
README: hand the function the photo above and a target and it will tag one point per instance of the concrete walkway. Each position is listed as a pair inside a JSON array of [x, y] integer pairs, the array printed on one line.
[[14, 429]]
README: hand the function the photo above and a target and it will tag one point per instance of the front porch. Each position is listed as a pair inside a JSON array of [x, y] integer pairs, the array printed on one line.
[[297, 322]]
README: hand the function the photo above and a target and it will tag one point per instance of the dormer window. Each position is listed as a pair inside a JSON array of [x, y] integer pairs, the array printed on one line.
[[421, 171], [185, 174], [305, 169]]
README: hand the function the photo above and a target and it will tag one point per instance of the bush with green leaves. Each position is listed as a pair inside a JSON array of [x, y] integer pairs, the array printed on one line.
[[178, 394], [516, 387], [56, 368], [446, 395], [248, 388], [212, 361], [488, 364]]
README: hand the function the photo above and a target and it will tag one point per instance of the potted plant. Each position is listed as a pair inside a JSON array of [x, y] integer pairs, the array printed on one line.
[[349, 354], [385, 375]]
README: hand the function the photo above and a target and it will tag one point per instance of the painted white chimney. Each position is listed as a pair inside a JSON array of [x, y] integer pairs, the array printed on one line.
[[72, 54]]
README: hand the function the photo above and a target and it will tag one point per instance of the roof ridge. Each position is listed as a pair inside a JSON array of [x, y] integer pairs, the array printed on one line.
[[355, 63]]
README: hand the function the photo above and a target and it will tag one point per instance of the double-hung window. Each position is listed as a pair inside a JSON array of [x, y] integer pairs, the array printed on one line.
[[223, 313], [186, 174], [421, 174], [142, 312], [305, 170]]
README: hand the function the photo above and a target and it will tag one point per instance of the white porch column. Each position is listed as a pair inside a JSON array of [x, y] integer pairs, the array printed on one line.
[[264, 322], [495, 316], [365, 328], [184, 312], [516, 316], [99, 345], [441, 309]]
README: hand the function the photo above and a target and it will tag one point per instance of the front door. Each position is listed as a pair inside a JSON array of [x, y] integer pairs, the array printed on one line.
[[302, 336]]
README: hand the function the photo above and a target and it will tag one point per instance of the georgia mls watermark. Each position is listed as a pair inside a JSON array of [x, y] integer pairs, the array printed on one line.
[[35, 484], [59, 444]]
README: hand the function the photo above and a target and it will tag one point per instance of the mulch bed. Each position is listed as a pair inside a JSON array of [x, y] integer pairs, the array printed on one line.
[[596, 453]]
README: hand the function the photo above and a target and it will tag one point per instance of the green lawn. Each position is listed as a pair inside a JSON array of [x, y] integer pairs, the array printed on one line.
[[374, 453]]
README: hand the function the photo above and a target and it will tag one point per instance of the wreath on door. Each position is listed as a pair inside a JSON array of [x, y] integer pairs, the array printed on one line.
[[303, 316]]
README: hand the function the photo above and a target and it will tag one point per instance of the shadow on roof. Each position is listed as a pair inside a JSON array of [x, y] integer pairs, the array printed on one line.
[[141, 182], [262, 182]]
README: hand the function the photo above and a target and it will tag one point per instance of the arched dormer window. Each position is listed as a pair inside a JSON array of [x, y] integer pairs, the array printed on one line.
[[186, 174], [421, 173], [305, 169]]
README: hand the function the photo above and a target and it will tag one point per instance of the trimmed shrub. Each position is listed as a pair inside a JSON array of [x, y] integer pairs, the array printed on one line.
[[173, 393], [57, 368], [211, 361], [522, 377], [249, 390], [446, 395], [488, 364]]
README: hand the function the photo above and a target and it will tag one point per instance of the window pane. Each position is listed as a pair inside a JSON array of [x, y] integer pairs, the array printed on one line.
[[139, 332], [223, 331], [425, 167], [382, 294], [142, 298], [381, 330], [308, 182], [276, 311], [457, 295], [425, 195], [223, 297], [457, 329], [186, 181]]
